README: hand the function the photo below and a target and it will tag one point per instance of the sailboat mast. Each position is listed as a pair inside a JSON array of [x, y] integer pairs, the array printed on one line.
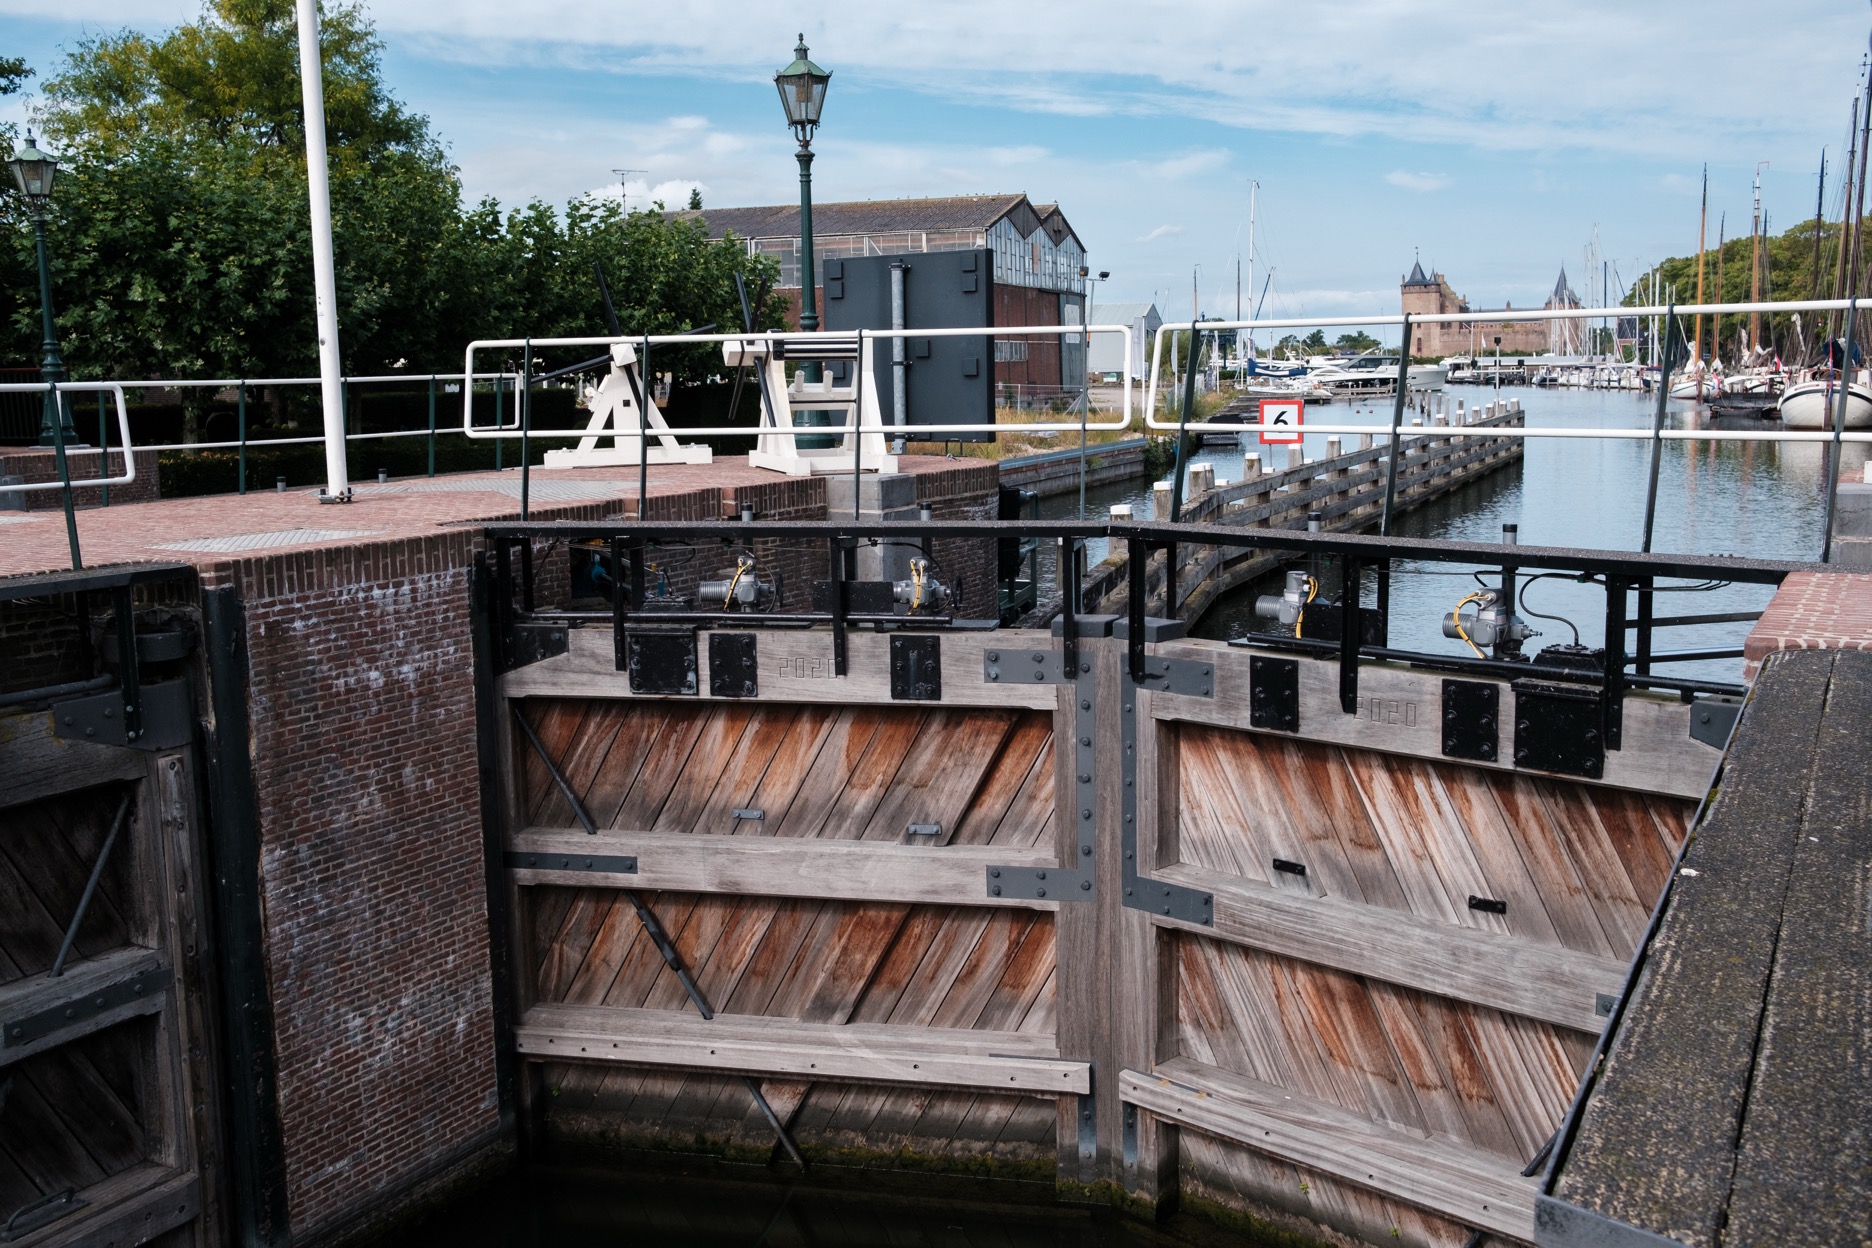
[[1813, 287], [1252, 188], [1722, 228], [1696, 351], [1858, 213], [1755, 262]]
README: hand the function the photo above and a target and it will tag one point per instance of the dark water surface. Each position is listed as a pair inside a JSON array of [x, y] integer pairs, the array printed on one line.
[[1759, 500], [739, 1206]]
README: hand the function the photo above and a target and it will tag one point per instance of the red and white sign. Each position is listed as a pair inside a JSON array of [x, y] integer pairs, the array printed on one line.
[[1280, 420]]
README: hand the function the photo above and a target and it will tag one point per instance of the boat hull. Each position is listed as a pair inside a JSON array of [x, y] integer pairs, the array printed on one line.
[[1811, 405]]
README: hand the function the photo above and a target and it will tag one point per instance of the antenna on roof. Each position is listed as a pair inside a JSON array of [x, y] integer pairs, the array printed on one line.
[[623, 194]]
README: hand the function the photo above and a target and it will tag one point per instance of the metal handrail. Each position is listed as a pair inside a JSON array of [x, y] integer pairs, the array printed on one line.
[[123, 426], [843, 336]]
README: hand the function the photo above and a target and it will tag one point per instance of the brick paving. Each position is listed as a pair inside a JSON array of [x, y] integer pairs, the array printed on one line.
[[1813, 611], [181, 529]]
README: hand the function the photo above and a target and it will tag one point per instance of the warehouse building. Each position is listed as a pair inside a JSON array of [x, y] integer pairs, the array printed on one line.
[[1038, 269]]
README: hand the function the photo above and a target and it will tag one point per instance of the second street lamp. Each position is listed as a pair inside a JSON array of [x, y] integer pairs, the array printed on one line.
[[33, 174], [802, 87]]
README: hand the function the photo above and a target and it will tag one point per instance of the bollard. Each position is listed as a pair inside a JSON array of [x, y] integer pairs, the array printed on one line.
[[1462, 417], [383, 476], [279, 483], [1160, 500], [1334, 447], [1364, 441], [1251, 466], [747, 513], [1121, 511], [1296, 456]]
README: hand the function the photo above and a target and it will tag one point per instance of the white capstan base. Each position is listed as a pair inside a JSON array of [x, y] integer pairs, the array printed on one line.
[[823, 463]]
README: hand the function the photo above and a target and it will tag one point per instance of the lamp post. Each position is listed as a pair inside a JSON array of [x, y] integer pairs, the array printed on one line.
[[802, 87], [33, 173]]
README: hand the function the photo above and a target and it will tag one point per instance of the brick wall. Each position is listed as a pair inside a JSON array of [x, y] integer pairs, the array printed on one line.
[[31, 465], [361, 689], [965, 492], [362, 711]]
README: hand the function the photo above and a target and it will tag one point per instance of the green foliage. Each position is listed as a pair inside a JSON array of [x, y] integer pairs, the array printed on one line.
[[1791, 273], [1357, 340], [1315, 342], [180, 235]]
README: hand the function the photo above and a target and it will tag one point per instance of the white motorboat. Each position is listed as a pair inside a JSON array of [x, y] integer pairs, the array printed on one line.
[[1814, 404]]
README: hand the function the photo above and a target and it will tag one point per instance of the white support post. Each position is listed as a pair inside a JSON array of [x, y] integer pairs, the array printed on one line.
[[780, 403], [324, 277], [622, 409]]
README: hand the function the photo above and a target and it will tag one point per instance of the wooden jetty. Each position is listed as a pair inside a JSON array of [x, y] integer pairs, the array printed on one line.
[[1344, 489]]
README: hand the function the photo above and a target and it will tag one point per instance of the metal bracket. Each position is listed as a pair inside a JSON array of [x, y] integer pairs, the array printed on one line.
[[1472, 720], [1712, 720], [1141, 892], [1557, 729], [661, 660], [1287, 867], [44, 1211], [529, 643], [1274, 693], [1040, 667], [1055, 883], [930, 830], [916, 667], [1088, 1134], [15, 1032], [615, 864], [104, 718], [1604, 1003], [733, 667], [1488, 905], [1041, 883], [1189, 678]]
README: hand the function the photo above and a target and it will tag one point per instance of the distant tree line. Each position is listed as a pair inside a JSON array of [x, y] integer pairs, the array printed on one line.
[[180, 238], [1802, 262]]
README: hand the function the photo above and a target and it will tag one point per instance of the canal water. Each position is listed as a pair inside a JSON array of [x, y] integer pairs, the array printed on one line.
[[1760, 500]]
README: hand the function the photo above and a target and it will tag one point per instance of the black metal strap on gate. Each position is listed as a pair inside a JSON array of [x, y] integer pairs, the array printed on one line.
[[1141, 674], [659, 936]]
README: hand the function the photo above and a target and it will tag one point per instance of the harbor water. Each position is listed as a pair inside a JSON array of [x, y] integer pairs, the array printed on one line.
[[1754, 499]]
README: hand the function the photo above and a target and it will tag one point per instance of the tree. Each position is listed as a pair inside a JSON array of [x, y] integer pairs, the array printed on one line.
[[1357, 340], [1315, 341]]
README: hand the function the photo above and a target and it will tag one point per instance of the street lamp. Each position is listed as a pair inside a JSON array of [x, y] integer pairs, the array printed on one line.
[[802, 87], [33, 174]]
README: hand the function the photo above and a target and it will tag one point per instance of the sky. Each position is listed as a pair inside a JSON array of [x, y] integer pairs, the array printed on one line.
[[1493, 141]]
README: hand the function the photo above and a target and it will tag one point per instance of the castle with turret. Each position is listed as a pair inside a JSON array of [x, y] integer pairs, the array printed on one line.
[[1431, 294]]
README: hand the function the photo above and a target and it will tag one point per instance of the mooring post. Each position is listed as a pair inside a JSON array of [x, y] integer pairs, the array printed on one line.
[[1397, 422], [1657, 423], [1839, 426], [432, 425]]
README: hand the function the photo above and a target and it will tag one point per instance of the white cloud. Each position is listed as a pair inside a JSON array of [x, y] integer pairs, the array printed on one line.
[[1417, 181], [1162, 231]]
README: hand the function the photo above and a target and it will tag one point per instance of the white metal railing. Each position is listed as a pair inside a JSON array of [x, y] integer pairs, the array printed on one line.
[[123, 427], [1155, 421], [857, 424]]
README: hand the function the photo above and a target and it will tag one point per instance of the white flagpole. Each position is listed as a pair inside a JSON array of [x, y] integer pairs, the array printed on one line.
[[324, 280]]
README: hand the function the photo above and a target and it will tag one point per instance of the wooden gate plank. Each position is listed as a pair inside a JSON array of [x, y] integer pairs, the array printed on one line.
[[1569, 905]]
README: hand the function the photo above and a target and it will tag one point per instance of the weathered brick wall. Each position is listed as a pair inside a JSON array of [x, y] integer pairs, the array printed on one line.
[[361, 690], [362, 710], [34, 465], [965, 492]]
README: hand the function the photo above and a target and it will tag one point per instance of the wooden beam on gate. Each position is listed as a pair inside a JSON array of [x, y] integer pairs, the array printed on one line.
[[1005, 1061], [770, 866], [39, 1013], [1479, 1190], [1515, 976], [35, 763], [795, 665]]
